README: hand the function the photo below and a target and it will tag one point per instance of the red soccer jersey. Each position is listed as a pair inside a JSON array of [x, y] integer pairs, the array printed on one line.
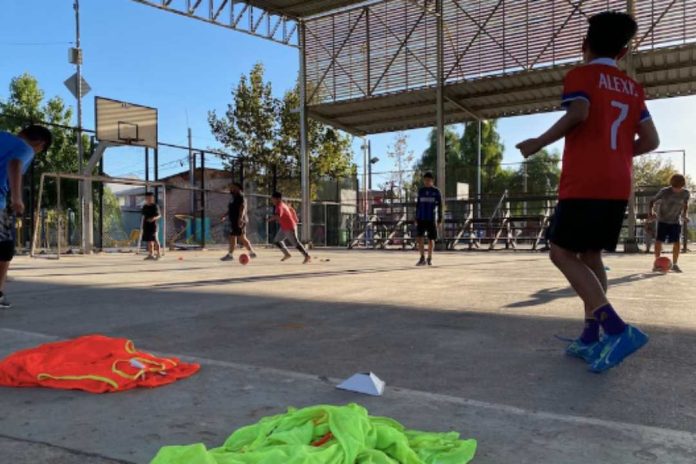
[[598, 155], [286, 219]]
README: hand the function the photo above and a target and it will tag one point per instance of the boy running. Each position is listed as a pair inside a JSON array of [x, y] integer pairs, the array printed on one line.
[[428, 217], [605, 110], [287, 219], [237, 215], [16, 154], [673, 206], [151, 214]]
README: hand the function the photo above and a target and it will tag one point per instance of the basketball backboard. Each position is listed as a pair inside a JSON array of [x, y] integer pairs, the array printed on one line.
[[125, 123]]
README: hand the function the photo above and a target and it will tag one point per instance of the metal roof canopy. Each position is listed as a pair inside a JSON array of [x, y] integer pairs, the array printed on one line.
[[374, 69]]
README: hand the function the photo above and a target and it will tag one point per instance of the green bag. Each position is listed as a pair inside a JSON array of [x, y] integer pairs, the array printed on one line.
[[326, 435]]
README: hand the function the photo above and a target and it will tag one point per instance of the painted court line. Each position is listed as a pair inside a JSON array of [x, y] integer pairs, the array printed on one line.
[[643, 430]]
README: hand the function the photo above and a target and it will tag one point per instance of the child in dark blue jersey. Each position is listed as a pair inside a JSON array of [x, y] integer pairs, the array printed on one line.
[[428, 216]]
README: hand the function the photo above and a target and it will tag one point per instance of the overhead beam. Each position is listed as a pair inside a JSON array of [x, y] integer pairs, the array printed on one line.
[[241, 17]]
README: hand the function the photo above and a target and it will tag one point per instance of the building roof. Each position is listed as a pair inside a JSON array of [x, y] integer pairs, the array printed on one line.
[[664, 73], [302, 9], [375, 69]]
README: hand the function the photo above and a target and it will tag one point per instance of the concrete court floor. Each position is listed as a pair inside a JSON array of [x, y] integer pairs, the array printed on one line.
[[466, 345]]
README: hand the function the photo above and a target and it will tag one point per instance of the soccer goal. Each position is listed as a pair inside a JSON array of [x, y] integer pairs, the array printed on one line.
[[115, 212]]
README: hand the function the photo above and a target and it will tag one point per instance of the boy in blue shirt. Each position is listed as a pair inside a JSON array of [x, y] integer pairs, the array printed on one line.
[[428, 217], [16, 154]]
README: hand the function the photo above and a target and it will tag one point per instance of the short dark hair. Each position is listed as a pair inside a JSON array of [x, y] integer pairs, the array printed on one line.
[[149, 194], [428, 175], [277, 195], [677, 181], [36, 133], [610, 32]]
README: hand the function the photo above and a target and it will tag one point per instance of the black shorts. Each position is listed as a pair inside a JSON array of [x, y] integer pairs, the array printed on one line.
[[149, 232], [7, 236], [236, 230], [668, 233], [427, 227], [587, 225]]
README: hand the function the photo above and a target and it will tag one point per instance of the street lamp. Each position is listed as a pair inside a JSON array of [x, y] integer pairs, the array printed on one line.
[[373, 160]]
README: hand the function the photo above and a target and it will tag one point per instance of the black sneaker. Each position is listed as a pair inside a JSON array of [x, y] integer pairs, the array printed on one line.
[[421, 261], [227, 257], [252, 254], [430, 261], [4, 304], [676, 268]]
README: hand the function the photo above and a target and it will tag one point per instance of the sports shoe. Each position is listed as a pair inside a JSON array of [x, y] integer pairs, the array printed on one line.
[[252, 254], [227, 257], [616, 348], [588, 352], [430, 261], [149, 258], [286, 257], [4, 304], [421, 261], [676, 269], [307, 259]]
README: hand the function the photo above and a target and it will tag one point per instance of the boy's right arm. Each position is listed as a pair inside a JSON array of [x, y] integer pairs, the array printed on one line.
[[577, 112], [14, 169]]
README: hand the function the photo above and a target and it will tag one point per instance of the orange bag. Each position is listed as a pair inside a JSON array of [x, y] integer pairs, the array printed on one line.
[[92, 363]]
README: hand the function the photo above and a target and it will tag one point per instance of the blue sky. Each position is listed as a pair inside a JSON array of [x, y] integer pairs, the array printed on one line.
[[186, 68]]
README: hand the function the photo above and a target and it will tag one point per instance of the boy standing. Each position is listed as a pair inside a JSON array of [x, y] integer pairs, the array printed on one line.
[[605, 110], [428, 217], [151, 214], [287, 220], [16, 154], [237, 215], [673, 206]]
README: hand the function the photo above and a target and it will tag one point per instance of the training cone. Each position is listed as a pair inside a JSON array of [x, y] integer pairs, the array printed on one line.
[[244, 259], [366, 383], [663, 263]]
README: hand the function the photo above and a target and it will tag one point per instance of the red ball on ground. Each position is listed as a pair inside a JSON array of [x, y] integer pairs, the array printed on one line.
[[663, 263], [243, 258]]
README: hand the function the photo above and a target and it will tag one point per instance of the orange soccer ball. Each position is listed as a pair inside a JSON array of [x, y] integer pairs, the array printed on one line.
[[663, 263], [243, 259]]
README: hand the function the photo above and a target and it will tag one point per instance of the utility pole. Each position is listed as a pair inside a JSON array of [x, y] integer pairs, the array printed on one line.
[[192, 173], [84, 213]]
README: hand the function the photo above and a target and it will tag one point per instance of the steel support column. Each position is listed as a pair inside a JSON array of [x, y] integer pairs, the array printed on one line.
[[440, 101], [631, 243], [304, 151]]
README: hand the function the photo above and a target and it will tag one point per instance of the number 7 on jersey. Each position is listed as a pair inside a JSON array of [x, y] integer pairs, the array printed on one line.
[[623, 107]]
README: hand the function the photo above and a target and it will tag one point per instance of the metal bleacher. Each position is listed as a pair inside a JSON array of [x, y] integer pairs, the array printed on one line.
[[510, 222]]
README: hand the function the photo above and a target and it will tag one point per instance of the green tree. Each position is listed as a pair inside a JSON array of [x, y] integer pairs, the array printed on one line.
[[651, 172], [491, 156], [403, 159], [248, 126], [26, 104], [266, 131], [543, 173], [454, 169], [329, 150]]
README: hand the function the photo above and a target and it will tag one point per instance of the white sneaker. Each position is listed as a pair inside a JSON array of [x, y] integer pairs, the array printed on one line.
[[4, 304]]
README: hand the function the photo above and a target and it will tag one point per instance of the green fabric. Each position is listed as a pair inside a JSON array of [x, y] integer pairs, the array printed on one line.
[[357, 438]]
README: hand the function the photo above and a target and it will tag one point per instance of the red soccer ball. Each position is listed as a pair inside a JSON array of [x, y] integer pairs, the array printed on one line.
[[663, 263], [244, 259]]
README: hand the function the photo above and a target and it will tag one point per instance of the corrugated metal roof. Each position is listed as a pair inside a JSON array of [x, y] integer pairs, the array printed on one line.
[[666, 72], [374, 68]]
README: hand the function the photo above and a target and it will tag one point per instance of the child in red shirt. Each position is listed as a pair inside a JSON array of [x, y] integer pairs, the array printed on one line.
[[287, 219], [605, 110]]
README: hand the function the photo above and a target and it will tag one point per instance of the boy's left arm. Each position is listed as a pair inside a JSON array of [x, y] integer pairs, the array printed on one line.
[[440, 214], [685, 213]]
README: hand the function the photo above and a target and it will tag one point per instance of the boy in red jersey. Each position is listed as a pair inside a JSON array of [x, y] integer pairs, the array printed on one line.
[[287, 220], [605, 110]]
